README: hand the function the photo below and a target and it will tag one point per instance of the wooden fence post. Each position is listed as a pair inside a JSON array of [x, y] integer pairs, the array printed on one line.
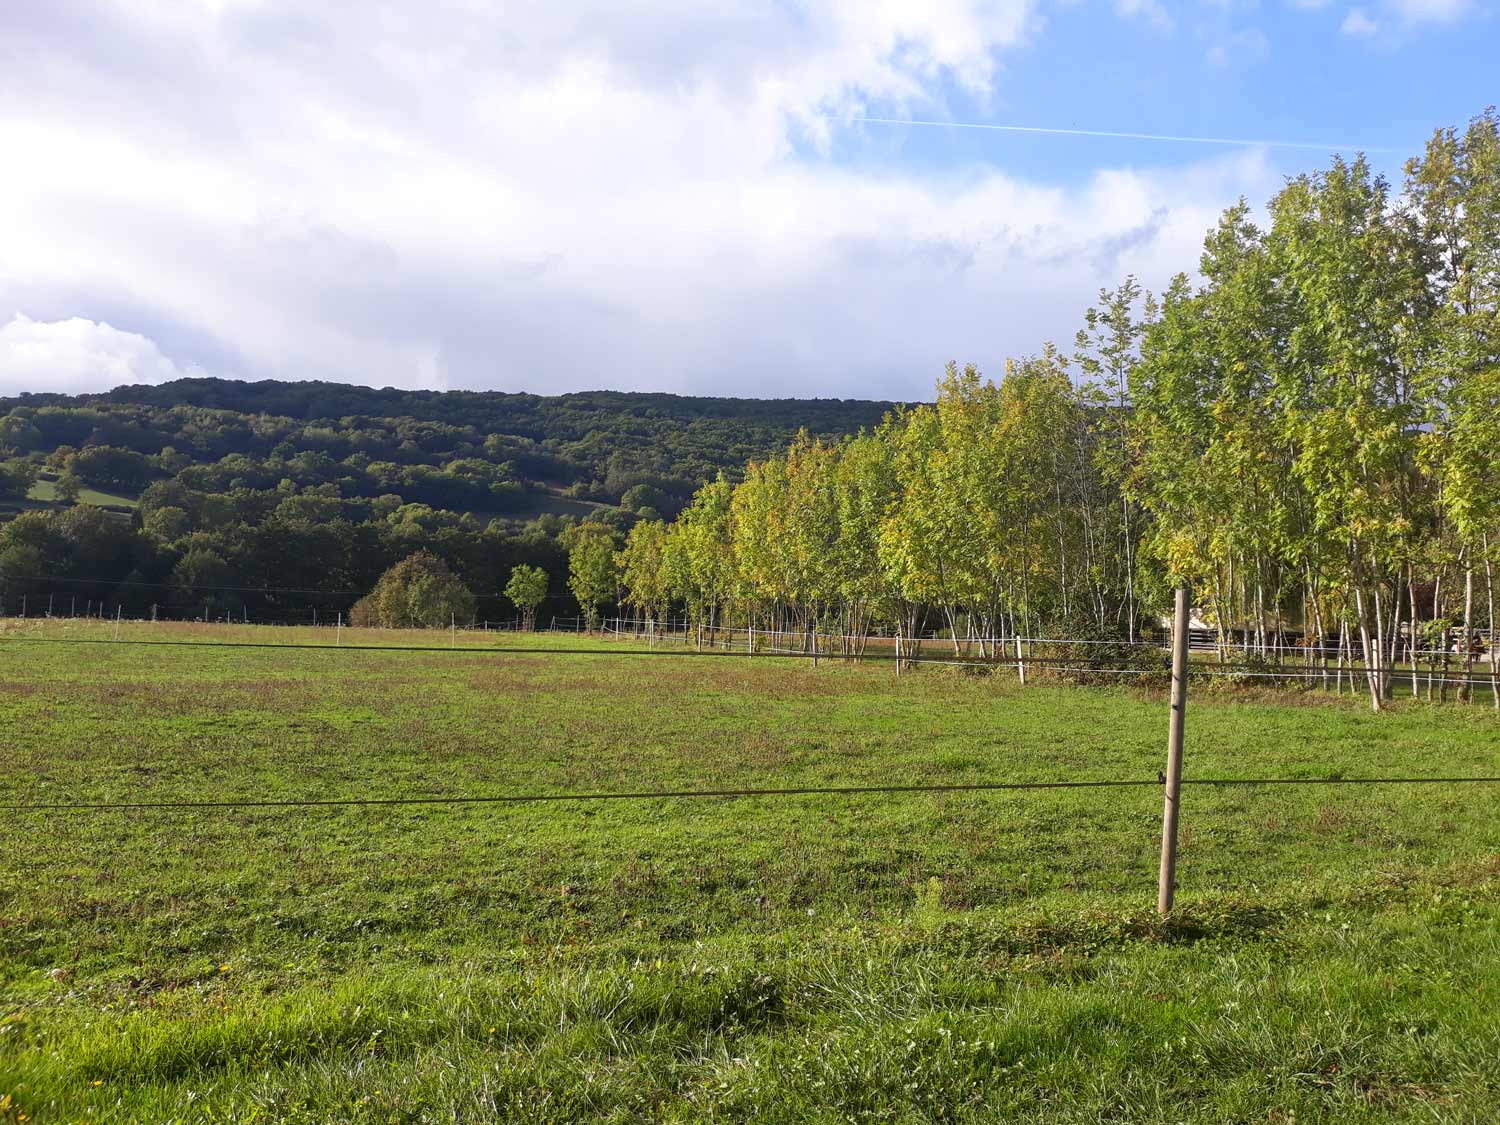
[[1167, 880]]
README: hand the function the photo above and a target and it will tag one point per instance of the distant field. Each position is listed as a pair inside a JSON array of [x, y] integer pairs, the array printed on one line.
[[45, 491], [551, 501], [896, 957]]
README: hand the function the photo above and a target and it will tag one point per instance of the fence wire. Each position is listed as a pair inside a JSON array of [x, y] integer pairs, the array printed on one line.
[[719, 794], [1306, 673]]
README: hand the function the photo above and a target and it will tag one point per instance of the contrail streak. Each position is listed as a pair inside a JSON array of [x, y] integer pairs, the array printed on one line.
[[1248, 142]]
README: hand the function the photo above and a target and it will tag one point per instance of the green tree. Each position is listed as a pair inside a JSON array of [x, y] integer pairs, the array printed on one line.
[[643, 497], [1453, 200], [527, 590], [17, 475], [922, 536], [199, 580], [764, 584], [19, 433], [641, 568], [1347, 386], [807, 532], [865, 489], [420, 592], [1108, 352], [105, 466], [591, 568], [167, 524], [69, 487], [698, 556]]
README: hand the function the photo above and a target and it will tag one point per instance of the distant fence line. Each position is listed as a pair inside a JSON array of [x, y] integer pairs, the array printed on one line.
[[1084, 665], [1278, 645], [1340, 667]]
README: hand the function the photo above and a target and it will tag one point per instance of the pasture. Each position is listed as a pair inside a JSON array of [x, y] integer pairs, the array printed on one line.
[[885, 957]]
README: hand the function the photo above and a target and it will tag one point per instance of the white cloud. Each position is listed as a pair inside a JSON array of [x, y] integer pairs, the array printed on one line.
[[1240, 47], [1404, 13], [1430, 11], [77, 355], [1151, 11], [546, 197]]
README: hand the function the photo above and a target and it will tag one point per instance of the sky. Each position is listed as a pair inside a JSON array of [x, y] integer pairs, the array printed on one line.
[[704, 198]]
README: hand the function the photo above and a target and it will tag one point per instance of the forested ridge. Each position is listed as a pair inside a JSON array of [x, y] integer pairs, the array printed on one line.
[[1306, 431], [598, 443], [275, 499]]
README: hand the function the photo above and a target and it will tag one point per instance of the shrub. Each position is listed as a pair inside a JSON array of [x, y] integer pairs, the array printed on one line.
[[363, 614], [16, 477], [419, 592], [1091, 657]]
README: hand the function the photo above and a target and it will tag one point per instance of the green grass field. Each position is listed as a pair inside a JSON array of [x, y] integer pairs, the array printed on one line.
[[44, 491], [899, 957]]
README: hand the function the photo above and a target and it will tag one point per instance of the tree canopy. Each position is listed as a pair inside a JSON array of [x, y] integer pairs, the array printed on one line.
[[419, 592]]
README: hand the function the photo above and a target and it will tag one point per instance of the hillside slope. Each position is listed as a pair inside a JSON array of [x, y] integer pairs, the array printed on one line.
[[280, 500]]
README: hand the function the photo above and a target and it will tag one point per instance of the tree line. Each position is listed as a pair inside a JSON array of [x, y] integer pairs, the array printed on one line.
[[1308, 434]]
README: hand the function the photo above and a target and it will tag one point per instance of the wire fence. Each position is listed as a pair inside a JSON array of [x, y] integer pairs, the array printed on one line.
[[778, 645], [723, 794], [45, 601], [1065, 666]]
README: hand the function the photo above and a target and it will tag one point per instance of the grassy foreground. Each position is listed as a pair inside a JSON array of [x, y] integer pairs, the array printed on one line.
[[1336, 954]]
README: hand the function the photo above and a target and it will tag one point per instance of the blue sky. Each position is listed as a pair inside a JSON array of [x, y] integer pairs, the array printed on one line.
[[665, 196], [1274, 71]]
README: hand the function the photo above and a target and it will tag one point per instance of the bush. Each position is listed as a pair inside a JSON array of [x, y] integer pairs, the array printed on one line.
[[419, 592], [1092, 657], [118, 470], [16, 477], [363, 614]]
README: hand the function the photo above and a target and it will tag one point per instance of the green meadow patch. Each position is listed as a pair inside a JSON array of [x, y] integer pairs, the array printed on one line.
[[885, 957]]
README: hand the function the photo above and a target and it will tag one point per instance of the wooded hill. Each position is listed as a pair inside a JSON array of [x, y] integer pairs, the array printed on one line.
[[308, 491], [594, 446]]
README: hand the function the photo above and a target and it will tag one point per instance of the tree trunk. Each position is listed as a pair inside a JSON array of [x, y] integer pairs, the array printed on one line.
[[1370, 652], [1489, 589], [1411, 594], [1465, 689], [1437, 613]]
